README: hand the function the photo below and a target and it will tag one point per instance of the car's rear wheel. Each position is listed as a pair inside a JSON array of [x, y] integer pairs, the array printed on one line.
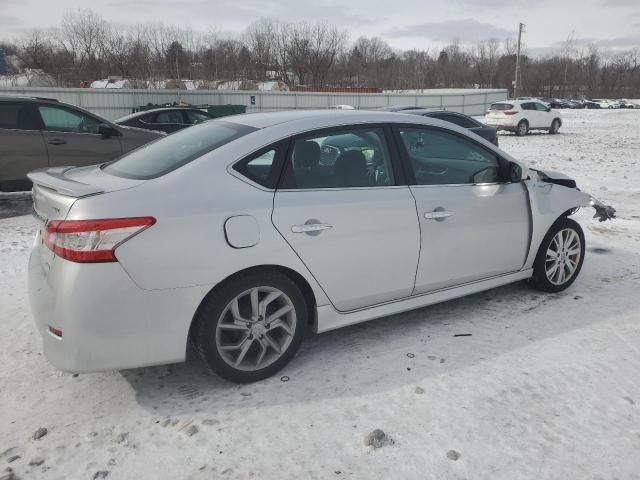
[[555, 126], [522, 129], [560, 257], [252, 326]]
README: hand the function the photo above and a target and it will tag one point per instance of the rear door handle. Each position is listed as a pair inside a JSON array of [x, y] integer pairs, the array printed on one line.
[[311, 228], [439, 215], [57, 141]]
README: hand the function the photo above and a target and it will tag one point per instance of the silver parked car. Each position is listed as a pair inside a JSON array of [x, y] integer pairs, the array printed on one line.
[[241, 234]]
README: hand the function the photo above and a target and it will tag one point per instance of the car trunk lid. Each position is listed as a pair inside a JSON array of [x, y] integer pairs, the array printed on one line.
[[55, 190]]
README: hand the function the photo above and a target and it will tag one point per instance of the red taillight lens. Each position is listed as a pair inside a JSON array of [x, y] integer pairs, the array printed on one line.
[[56, 332], [91, 241], [510, 112]]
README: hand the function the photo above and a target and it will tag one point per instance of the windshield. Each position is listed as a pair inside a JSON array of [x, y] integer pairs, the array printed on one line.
[[172, 152]]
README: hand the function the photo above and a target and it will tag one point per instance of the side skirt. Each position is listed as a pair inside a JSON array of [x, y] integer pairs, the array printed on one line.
[[330, 319]]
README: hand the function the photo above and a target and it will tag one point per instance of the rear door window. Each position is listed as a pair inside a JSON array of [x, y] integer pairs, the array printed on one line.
[[17, 116], [170, 116], [169, 153], [343, 158], [197, 117]]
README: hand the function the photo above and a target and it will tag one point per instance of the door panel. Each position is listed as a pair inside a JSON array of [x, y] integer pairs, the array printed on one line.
[[20, 152], [339, 207], [363, 245], [22, 147], [473, 225], [71, 138], [486, 233]]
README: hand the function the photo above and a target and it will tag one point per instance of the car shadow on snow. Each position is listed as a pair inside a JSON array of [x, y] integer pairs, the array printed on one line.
[[15, 204], [392, 352]]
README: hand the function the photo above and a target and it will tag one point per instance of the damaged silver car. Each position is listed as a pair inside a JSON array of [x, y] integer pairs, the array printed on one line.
[[239, 235]]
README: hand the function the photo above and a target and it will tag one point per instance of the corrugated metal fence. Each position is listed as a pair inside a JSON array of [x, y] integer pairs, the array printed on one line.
[[115, 103]]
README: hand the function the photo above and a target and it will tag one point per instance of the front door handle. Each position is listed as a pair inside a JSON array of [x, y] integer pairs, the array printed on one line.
[[438, 215], [57, 141], [311, 228]]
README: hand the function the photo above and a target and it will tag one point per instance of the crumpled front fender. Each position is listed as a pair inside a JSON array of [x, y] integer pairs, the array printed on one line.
[[573, 194], [551, 197]]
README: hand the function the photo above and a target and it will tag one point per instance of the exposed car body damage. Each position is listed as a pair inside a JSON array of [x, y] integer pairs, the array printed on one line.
[[603, 212]]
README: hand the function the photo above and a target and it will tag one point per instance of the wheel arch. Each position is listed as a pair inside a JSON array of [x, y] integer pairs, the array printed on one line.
[[296, 277]]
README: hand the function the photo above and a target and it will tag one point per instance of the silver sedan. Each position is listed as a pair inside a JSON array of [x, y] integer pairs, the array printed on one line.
[[239, 235]]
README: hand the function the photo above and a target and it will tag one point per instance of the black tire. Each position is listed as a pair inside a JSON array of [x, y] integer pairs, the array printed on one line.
[[540, 280], [210, 314], [522, 129], [555, 126]]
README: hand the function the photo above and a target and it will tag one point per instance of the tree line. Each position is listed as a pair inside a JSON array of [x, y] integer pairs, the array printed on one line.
[[85, 47]]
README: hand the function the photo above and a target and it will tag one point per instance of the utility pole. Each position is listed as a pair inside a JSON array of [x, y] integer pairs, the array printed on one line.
[[517, 81]]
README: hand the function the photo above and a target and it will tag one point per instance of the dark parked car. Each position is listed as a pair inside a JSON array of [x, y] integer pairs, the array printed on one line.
[[591, 105], [43, 132], [399, 108], [168, 120], [462, 120], [559, 103]]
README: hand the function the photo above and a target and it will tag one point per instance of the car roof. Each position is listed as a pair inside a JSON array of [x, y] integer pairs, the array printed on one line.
[[330, 117], [397, 108], [424, 111], [519, 102], [27, 98]]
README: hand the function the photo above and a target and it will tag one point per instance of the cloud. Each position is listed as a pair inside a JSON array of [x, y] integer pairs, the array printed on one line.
[[629, 41], [9, 20], [467, 31], [618, 3]]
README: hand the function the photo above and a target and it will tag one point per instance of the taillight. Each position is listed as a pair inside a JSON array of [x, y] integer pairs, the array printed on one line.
[[510, 112], [91, 241]]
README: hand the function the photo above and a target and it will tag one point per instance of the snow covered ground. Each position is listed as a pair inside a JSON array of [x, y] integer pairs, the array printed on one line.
[[546, 387]]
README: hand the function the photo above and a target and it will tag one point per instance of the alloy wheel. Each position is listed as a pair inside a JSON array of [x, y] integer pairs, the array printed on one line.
[[563, 256], [255, 328], [522, 129]]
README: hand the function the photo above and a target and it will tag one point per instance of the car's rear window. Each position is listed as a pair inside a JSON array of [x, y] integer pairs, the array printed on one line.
[[172, 152], [501, 106]]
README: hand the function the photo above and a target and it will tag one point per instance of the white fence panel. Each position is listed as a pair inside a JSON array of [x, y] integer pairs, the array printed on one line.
[[115, 103]]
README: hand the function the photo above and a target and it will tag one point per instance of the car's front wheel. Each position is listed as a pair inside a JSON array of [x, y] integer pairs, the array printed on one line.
[[560, 257], [555, 126], [252, 326]]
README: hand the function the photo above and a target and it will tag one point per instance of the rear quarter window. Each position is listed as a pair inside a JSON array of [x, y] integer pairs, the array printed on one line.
[[172, 152]]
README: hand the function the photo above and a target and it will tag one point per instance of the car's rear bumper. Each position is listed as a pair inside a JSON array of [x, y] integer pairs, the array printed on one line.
[[500, 124], [107, 321]]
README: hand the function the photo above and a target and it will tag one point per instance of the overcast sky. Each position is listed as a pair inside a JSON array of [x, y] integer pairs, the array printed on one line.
[[404, 24]]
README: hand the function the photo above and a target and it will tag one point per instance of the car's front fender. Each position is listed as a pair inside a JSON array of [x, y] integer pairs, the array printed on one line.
[[553, 195]]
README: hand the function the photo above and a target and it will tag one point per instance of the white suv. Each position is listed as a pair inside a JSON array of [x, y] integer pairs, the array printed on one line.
[[520, 116]]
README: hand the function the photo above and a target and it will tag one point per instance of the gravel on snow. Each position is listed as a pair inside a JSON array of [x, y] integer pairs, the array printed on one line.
[[547, 386]]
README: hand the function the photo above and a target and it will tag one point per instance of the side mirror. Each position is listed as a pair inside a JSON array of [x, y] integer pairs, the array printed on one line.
[[515, 172], [105, 130], [548, 109]]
